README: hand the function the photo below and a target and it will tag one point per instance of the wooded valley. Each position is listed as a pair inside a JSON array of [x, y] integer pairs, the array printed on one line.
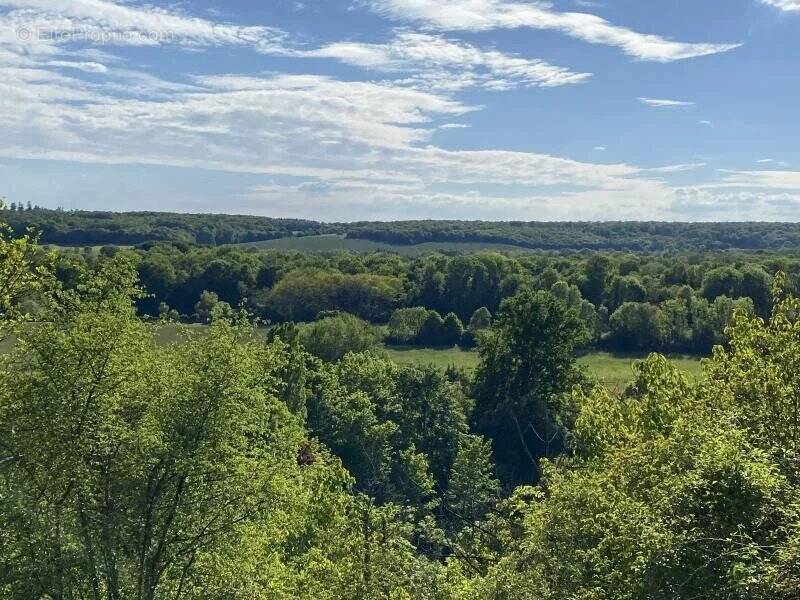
[[269, 447]]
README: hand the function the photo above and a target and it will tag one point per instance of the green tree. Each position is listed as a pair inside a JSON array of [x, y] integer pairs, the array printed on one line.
[[722, 281], [405, 324], [368, 410], [676, 489], [481, 319], [638, 326], [625, 289], [136, 470], [143, 456], [597, 274], [526, 367], [208, 305], [472, 492], [756, 284], [333, 337], [452, 330], [22, 273], [431, 332]]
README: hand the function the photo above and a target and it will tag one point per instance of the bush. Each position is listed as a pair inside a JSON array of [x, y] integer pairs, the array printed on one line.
[[405, 324], [431, 332], [637, 327], [452, 330], [333, 337]]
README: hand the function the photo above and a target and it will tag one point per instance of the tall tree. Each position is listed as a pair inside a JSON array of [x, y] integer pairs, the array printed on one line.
[[526, 366], [597, 274]]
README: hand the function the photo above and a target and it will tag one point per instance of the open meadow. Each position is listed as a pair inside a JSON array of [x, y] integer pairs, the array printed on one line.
[[613, 370], [340, 243]]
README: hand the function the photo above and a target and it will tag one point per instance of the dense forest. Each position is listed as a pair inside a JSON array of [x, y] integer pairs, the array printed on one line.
[[78, 228], [240, 461], [628, 302]]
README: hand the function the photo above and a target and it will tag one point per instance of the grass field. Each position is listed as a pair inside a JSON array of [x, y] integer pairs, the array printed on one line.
[[614, 371], [338, 243]]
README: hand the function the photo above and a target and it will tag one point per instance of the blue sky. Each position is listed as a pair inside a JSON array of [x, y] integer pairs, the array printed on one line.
[[403, 109]]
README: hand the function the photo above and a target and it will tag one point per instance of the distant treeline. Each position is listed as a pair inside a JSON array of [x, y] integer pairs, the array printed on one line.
[[617, 235], [78, 228]]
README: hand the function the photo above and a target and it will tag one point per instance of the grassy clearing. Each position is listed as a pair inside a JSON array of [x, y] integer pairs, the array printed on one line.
[[338, 243], [439, 357], [614, 371]]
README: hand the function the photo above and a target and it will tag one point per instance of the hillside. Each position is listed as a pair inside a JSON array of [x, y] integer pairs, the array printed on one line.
[[78, 228]]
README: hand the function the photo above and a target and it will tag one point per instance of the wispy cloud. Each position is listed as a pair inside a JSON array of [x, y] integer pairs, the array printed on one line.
[[481, 15], [696, 203], [107, 22], [367, 145], [765, 180], [664, 103], [788, 5], [447, 63], [277, 125], [678, 168]]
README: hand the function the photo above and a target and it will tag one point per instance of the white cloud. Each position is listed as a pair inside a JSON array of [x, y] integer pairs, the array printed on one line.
[[664, 103], [281, 125], [436, 57], [354, 201], [482, 15], [700, 204], [600, 148], [364, 145], [788, 5], [678, 168], [89, 67], [106, 22], [704, 122], [765, 160], [270, 125], [775, 180]]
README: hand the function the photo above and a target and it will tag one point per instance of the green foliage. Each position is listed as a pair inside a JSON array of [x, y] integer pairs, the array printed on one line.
[[22, 273], [137, 470], [472, 492], [452, 330], [301, 295], [207, 305], [405, 324], [526, 366], [332, 337], [369, 411], [625, 289], [230, 464], [481, 319], [432, 329], [636, 327], [80, 228], [136, 458], [598, 272], [676, 490]]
